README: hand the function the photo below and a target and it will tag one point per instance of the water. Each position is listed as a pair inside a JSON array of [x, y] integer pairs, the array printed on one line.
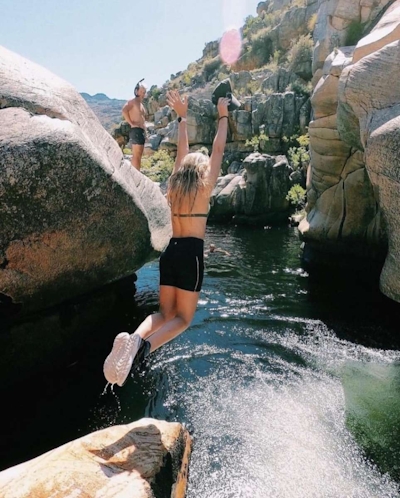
[[289, 382]]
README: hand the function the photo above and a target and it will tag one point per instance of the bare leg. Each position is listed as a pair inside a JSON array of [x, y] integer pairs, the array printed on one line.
[[167, 311], [137, 152], [119, 362], [186, 303]]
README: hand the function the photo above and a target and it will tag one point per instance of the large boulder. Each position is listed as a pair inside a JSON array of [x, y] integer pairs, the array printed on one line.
[[386, 31], [342, 214], [353, 182], [162, 117], [372, 103], [242, 125], [266, 184], [226, 198], [240, 81], [75, 215], [142, 459], [255, 195]]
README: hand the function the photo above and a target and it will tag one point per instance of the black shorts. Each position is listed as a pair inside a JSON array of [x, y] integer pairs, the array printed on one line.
[[182, 264], [137, 136]]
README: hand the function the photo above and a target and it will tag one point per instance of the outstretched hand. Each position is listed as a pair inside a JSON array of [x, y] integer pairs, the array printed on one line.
[[222, 106], [177, 103]]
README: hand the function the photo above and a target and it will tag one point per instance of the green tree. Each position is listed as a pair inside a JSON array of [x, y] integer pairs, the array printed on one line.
[[257, 142], [297, 197], [298, 153]]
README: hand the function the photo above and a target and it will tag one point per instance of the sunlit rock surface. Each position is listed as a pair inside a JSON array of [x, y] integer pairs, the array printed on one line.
[[143, 459], [75, 215], [353, 182]]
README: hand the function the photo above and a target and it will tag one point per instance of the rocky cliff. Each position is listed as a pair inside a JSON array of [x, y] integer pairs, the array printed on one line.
[[272, 79], [353, 181]]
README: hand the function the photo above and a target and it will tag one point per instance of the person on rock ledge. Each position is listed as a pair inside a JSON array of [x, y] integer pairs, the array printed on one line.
[[182, 263], [134, 113]]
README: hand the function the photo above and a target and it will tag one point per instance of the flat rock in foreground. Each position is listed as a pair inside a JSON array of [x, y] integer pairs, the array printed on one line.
[[137, 460]]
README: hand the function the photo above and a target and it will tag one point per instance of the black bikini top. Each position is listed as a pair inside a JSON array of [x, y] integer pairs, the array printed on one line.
[[194, 215]]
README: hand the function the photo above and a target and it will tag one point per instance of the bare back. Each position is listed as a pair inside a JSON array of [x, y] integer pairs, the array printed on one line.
[[191, 226]]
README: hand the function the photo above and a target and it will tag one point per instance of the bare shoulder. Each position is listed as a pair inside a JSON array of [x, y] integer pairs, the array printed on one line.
[[129, 104], [211, 181], [206, 191]]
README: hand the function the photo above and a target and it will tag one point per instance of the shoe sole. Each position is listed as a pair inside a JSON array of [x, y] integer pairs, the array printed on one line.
[[125, 365], [110, 367]]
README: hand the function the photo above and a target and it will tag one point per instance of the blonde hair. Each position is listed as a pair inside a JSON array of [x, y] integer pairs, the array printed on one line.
[[190, 177]]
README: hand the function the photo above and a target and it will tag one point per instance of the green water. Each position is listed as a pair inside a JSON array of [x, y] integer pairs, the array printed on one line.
[[372, 398]]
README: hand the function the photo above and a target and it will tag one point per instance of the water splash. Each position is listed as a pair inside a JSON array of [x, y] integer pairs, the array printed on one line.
[[265, 427], [286, 441], [269, 411], [105, 389]]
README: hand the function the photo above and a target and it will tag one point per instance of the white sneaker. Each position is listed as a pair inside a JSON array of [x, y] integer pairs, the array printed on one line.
[[118, 363]]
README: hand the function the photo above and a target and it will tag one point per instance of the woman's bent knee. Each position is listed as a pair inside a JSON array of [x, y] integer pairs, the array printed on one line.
[[186, 321], [168, 315]]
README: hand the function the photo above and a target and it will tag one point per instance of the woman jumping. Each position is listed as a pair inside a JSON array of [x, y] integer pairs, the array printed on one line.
[[182, 263]]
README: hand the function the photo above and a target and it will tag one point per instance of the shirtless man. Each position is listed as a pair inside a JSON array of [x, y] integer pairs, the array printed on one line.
[[134, 113]]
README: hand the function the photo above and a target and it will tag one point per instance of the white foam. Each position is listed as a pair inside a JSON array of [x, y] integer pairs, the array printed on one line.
[[277, 439]]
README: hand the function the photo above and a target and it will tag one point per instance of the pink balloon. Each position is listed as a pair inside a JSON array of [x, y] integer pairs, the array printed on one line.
[[230, 46]]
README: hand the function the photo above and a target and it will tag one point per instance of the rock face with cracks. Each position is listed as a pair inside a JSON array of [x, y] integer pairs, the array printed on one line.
[[255, 194], [354, 179], [74, 214]]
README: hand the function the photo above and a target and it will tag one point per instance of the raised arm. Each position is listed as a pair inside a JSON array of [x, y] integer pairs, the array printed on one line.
[[180, 106], [219, 141], [125, 112]]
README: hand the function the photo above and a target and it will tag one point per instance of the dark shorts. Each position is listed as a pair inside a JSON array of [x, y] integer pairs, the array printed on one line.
[[182, 264], [137, 136]]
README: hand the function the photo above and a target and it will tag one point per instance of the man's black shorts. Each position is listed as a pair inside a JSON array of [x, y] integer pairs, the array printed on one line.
[[137, 136], [182, 264]]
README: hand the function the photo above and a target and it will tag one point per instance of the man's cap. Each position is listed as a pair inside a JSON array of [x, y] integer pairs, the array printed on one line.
[[224, 89]]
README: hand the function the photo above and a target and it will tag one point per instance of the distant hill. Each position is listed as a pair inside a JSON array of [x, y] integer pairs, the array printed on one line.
[[109, 111]]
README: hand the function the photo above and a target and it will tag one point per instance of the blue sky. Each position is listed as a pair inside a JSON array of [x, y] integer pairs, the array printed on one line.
[[107, 45]]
